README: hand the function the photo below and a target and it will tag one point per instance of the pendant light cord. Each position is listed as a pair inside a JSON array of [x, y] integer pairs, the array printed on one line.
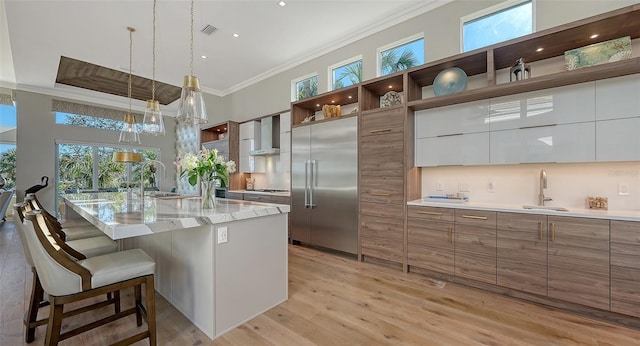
[[131, 30], [153, 54], [191, 42]]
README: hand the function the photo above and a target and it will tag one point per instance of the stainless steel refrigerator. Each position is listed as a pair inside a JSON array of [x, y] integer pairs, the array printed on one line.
[[324, 184]]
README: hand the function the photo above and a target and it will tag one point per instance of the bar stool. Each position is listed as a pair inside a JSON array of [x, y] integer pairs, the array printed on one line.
[[72, 232], [67, 281], [101, 247]]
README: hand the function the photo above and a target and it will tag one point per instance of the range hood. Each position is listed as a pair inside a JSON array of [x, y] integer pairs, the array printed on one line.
[[269, 137]]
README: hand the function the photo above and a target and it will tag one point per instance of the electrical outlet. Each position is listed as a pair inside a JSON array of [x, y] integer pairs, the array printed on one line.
[[491, 187], [438, 186], [222, 235], [623, 189], [463, 187]]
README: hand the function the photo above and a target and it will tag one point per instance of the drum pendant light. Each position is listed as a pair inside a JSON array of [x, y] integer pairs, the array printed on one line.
[[153, 123], [192, 108]]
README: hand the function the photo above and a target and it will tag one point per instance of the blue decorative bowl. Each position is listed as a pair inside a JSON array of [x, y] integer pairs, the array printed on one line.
[[449, 81]]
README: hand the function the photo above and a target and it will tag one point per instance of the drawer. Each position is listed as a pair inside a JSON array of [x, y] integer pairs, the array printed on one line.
[[382, 189], [254, 197], [234, 195], [430, 213], [478, 218], [382, 123], [389, 144]]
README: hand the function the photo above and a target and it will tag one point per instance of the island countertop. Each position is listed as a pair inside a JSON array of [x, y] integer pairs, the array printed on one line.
[[122, 215]]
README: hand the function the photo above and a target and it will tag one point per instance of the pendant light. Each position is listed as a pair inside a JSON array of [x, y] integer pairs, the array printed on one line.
[[129, 134], [153, 123], [192, 108]]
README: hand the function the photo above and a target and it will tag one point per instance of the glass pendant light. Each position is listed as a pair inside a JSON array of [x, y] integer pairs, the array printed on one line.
[[192, 108], [129, 133], [153, 123]]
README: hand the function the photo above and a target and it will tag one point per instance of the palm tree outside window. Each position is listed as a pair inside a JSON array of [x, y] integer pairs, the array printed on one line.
[[401, 56]]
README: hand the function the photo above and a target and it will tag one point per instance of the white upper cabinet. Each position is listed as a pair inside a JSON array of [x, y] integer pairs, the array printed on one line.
[[618, 98], [563, 105], [462, 118], [285, 122], [554, 143], [250, 130], [469, 149], [618, 140]]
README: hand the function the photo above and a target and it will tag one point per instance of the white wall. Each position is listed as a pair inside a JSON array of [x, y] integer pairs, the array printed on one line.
[[37, 133], [568, 184]]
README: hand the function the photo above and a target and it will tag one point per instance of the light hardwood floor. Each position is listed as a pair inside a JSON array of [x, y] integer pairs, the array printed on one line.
[[337, 301]]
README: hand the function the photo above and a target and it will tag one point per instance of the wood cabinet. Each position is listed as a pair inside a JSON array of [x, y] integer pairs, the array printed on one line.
[[475, 245], [579, 260], [625, 267], [225, 138], [234, 195], [522, 252], [255, 197], [430, 238]]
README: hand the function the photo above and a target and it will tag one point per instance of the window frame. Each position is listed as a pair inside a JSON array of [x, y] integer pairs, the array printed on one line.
[[294, 89], [396, 44], [338, 65], [488, 11]]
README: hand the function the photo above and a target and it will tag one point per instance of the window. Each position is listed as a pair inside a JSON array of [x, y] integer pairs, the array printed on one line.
[[88, 121], [401, 55], [8, 145], [88, 167], [345, 73], [498, 23], [304, 87], [75, 114]]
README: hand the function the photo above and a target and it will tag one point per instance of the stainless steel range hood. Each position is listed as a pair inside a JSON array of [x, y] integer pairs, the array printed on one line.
[[269, 137]]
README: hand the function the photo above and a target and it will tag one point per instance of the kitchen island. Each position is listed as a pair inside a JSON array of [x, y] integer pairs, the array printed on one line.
[[219, 267]]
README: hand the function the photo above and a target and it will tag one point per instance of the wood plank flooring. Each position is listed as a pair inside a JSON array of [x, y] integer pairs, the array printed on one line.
[[335, 301]]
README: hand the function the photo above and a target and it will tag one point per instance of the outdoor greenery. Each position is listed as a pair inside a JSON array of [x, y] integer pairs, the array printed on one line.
[[393, 60], [307, 88], [8, 168], [351, 72]]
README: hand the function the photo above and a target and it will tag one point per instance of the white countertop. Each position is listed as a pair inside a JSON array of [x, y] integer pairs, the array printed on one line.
[[120, 215], [625, 215]]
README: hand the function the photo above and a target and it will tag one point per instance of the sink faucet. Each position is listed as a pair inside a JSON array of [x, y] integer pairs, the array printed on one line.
[[543, 185], [164, 169]]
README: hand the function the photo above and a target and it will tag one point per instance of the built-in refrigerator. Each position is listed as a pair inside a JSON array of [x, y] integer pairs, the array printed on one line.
[[324, 184]]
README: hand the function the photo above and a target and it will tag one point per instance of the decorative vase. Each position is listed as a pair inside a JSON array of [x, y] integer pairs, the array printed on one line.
[[208, 193]]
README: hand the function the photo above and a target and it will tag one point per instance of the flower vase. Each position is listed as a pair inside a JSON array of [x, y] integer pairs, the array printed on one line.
[[208, 187]]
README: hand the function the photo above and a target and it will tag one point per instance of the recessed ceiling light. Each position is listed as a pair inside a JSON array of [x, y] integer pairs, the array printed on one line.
[[594, 36], [390, 86], [282, 3], [333, 101], [203, 56], [539, 49], [349, 96], [318, 105], [236, 35]]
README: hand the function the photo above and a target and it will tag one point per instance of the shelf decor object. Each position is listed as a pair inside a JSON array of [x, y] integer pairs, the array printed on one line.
[[598, 53], [129, 133], [390, 98], [450, 81], [519, 71], [153, 123], [331, 111], [192, 109]]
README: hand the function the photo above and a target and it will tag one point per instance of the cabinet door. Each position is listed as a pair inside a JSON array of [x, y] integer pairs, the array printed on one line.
[[464, 118], [563, 105], [285, 122], [579, 260], [522, 252], [248, 163], [430, 238], [467, 149], [285, 142], [381, 231], [625, 267], [618, 98], [475, 245], [250, 130], [560, 143], [618, 140]]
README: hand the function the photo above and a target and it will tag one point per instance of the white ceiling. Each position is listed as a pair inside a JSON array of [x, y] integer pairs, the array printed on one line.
[[272, 38]]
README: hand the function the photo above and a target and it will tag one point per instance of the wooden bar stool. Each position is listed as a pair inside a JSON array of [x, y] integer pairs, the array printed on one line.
[[68, 281], [100, 247], [78, 230]]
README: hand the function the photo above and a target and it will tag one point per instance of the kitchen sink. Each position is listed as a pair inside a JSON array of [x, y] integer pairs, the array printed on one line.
[[544, 207]]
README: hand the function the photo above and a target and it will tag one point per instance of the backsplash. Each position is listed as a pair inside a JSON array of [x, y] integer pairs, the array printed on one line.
[[568, 184], [272, 178]]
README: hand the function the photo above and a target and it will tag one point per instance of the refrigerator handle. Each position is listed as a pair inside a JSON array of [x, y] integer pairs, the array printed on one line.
[[314, 169], [306, 184]]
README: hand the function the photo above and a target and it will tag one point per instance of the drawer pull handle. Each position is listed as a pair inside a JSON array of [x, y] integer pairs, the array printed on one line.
[[429, 213], [380, 131], [450, 135], [450, 234], [474, 217], [553, 231], [540, 230], [536, 126], [380, 194]]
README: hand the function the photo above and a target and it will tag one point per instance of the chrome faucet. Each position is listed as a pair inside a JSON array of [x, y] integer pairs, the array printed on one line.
[[164, 169], [543, 185]]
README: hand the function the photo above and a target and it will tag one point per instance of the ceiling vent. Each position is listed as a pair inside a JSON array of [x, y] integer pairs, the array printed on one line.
[[208, 29]]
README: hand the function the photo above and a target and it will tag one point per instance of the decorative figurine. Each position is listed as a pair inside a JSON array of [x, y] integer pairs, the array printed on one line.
[[519, 71]]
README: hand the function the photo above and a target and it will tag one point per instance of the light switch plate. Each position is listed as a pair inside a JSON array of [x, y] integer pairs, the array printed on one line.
[[623, 189], [222, 235], [463, 187]]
